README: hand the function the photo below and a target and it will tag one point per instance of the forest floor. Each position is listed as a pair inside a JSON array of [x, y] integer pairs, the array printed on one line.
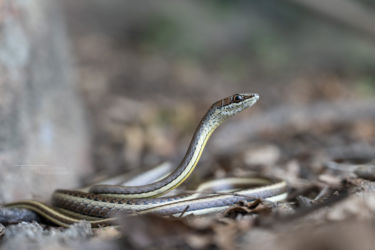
[[314, 128]]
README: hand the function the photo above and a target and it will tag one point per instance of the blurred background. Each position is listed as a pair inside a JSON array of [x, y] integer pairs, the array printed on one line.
[[90, 89], [149, 70]]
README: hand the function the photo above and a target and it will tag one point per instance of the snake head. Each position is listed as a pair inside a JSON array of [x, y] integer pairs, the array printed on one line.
[[231, 105], [234, 104]]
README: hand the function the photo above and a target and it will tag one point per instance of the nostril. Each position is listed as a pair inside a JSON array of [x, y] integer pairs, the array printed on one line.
[[254, 96]]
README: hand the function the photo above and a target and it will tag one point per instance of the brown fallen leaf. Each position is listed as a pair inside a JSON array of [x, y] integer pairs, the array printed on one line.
[[247, 208], [156, 232]]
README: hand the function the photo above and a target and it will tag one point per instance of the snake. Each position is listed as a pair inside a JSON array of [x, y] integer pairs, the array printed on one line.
[[102, 204]]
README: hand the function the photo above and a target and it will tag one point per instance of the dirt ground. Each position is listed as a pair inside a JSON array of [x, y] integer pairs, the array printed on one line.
[[146, 77]]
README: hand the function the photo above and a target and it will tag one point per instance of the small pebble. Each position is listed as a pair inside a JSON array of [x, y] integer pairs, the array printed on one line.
[[366, 171], [16, 215], [2, 230]]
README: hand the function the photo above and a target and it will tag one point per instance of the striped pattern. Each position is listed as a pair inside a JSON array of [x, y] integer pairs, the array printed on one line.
[[104, 202]]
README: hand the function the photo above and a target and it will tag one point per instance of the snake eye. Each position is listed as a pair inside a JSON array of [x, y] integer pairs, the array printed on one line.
[[237, 98]]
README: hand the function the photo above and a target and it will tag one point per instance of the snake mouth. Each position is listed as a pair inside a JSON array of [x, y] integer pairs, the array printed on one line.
[[250, 96], [249, 99]]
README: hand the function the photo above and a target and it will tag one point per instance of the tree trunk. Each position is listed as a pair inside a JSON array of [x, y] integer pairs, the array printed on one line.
[[43, 138]]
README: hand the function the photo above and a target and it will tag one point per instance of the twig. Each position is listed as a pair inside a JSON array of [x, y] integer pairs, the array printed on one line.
[[183, 212]]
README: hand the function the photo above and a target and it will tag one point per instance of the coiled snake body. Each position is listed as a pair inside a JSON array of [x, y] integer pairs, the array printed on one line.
[[102, 203]]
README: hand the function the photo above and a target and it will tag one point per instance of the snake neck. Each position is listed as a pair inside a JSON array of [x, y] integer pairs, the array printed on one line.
[[201, 135]]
